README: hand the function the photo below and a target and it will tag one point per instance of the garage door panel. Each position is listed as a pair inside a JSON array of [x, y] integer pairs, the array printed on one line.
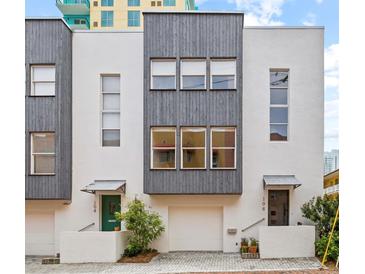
[[195, 228]]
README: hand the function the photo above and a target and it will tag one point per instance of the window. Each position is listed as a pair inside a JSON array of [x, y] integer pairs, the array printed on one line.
[[133, 3], [223, 74], [107, 3], [169, 3], [110, 110], [279, 105], [223, 148], [106, 18], [163, 74], [133, 18], [42, 153], [193, 74], [153, 3], [163, 144], [193, 148], [43, 80], [80, 21], [158, 3]]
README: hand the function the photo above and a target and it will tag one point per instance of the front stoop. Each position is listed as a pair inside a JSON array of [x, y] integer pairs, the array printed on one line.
[[52, 260]]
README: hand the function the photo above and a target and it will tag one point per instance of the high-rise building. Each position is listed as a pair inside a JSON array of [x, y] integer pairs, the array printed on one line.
[[115, 14], [331, 161]]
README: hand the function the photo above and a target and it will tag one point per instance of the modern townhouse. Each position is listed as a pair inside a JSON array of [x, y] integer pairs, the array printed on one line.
[[216, 126], [115, 14]]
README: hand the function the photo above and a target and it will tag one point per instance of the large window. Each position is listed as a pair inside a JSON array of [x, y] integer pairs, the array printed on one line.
[[43, 153], [279, 105], [193, 74], [110, 110], [223, 74], [223, 148], [107, 3], [193, 148], [107, 18], [163, 74], [43, 78], [133, 3], [163, 147], [169, 3], [134, 18]]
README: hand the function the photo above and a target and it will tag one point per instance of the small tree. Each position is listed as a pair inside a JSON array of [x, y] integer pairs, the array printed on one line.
[[144, 226]]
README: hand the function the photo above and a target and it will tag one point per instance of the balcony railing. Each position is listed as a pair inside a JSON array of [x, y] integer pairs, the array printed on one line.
[[73, 7]]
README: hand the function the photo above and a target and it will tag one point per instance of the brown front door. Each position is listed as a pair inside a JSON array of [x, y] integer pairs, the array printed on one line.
[[278, 207]]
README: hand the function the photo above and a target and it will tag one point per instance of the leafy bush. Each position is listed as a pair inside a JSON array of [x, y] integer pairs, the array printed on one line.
[[253, 242], [333, 249], [144, 226]]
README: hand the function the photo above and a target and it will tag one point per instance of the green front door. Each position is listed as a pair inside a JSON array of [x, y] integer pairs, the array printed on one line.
[[109, 205]]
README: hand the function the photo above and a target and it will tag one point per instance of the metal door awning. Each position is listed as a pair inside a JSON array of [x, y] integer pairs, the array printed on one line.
[[106, 185], [281, 180]]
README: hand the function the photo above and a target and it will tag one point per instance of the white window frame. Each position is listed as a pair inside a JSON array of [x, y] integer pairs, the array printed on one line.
[[161, 129], [187, 128], [32, 154], [33, 82], [223, 129], [222, 60], [152, 72], [102, 93], [279, 105], [181, 73]]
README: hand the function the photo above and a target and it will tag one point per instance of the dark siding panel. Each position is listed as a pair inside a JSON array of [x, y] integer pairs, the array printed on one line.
[[50, 42], [182, 35]]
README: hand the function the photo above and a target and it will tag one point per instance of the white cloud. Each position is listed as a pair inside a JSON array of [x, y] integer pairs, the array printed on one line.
[[310, 19], [261, 12], [331, 55], [199, 2], [331, 109], [319, 1], [331, 133]]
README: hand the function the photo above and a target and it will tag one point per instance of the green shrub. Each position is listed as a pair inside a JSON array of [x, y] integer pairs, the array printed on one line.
[[144, 226], [253, 242], [333, 249]]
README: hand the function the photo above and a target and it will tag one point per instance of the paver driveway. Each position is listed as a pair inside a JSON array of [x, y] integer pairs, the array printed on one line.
[[180, 262]]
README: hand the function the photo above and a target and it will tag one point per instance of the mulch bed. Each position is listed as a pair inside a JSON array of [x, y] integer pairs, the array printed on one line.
[[140, 258]]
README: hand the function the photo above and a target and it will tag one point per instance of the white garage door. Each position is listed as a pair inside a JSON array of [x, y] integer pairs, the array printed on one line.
[[39, 233], [195, 228]]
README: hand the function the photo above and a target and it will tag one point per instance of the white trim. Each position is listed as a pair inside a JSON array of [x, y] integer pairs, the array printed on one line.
[[223, 60], [223, 129], [192, 74], [172, 60], [32, 154], [32, 81], [161, 129], [193, 129]]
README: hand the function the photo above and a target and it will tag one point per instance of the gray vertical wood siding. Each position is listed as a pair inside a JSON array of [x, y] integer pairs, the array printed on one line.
[[203, 35], [49, 41]]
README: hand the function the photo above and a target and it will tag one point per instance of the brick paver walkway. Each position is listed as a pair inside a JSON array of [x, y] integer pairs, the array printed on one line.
[[187, 262]]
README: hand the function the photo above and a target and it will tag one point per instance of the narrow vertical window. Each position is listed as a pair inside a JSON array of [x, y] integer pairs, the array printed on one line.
[[43, 153], [107, 18], [193, 148], [43, 78], [163, 147], [279, 105], [193, 74], [110, 110], [223, 148], [134, 18], [163, 74], [223, 74]]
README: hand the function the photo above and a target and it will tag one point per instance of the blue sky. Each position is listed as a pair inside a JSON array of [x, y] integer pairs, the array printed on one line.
[[274, 13]]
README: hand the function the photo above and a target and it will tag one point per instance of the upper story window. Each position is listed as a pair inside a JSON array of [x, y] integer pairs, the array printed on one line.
[[169, 3], [163, 74], [134, 3], [43, 80], [163, 147], [223, 148], [110, 110], [193, 148], [134, 18], [223, 74], [107, 18], [43, 153], [193, 74], [107, 3], [279, 105]]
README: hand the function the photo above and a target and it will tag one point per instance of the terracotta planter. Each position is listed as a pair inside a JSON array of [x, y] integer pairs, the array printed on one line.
[[252, 249], [117, 228]]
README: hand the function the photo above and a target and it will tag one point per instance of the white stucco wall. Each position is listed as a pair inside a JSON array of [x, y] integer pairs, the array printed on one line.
[[286, 241], [300, 50]]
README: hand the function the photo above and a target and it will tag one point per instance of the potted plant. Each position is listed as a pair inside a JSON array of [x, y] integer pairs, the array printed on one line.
[[253, 246], [244, 249], [117, 228], [244, 242]]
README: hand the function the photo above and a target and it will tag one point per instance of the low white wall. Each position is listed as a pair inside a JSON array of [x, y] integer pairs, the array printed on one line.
[[92, 246], [286, 241]]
